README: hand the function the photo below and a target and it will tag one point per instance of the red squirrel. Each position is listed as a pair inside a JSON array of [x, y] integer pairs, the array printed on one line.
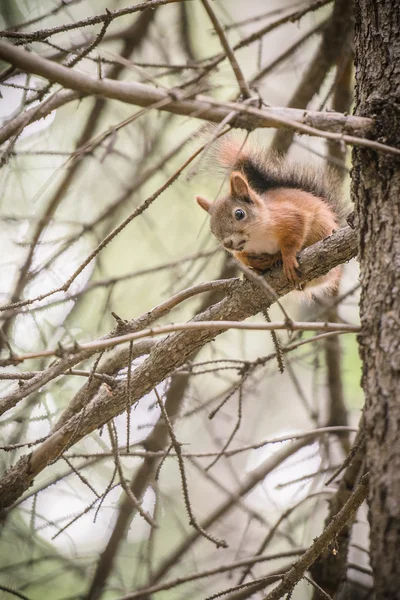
[[273, 210]]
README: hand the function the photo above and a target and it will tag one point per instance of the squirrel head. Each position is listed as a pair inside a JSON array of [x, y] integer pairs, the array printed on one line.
[[234, 217]]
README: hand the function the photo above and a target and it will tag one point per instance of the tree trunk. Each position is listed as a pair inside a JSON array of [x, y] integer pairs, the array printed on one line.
[[376, 188]]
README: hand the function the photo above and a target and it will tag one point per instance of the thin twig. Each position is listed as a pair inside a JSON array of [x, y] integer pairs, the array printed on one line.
[[210, 572], [321, 542], [112, 14], [178, 449], [191, 326], [136, 503], [243, 86]]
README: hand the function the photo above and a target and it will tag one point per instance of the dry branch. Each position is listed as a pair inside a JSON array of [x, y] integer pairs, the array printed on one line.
[[221, 510], [110, 14], [243, 85], [321, 542], [333, 126], [242, 301], [137, 35], [334, 42], [167, 585], [222, 325], [329, 570]]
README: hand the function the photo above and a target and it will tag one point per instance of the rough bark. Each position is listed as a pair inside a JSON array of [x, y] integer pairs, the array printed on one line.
[[376, 188], [342, 100]]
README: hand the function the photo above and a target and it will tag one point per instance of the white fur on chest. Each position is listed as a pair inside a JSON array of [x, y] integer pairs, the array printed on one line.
[[260, 243]]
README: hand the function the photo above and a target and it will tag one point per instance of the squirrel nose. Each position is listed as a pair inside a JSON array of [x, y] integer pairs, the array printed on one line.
[[228, 243]]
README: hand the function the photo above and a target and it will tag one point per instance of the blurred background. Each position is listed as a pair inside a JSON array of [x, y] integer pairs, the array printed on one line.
[[65, 182]]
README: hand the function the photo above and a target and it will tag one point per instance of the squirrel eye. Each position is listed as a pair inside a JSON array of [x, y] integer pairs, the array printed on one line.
[[239, 214]]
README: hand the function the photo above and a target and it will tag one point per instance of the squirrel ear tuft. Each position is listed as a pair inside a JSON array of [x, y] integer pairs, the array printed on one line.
[[239, 184], [204, 203]]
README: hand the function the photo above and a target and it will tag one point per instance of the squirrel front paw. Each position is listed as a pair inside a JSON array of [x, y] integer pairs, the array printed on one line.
[[290, 267]]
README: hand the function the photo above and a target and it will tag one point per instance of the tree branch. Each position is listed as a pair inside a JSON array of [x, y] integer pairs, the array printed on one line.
[[321, 542], [242, 300], [243, 86], [329, 570], [326, 125], [336, 36], [110, 14], [138, 31]]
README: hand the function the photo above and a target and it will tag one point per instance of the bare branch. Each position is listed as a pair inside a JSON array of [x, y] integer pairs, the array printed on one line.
[[210, 572], [243, 300], [335, 39], [201, 107], [112, 14], [243, 86], [321, 542], [213, 325]]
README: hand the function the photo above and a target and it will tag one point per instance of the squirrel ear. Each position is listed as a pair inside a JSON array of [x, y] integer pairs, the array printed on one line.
[[239, 184], [204, 203]]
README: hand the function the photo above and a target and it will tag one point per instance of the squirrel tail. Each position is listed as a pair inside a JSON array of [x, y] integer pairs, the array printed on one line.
[[265, 170]]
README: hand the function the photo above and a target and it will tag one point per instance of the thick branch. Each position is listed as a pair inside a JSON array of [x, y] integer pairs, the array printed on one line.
[[330, 125], [242, 301]]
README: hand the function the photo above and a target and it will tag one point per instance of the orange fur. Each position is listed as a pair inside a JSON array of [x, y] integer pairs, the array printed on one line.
[[284, 213], [297, 219]]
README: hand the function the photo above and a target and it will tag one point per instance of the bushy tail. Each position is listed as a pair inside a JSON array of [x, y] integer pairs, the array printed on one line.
[[267, 170]]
